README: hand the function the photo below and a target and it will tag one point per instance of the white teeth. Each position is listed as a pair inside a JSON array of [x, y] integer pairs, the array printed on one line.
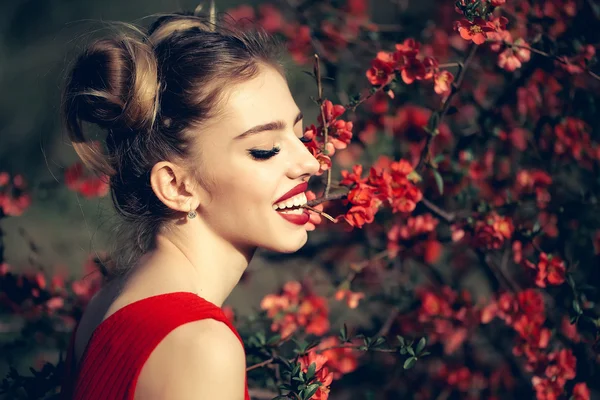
[[297, 200]]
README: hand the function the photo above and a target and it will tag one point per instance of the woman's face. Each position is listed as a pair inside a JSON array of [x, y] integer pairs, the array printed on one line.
[[254, 157]]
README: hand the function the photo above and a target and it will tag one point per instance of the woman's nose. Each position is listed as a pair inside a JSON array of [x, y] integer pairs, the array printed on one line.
[[304, 162]]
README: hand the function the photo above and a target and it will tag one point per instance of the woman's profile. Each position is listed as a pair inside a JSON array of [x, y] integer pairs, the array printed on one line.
[[205, 163]]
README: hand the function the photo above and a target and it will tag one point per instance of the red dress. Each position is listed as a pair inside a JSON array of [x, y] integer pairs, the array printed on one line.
[[121, 344]]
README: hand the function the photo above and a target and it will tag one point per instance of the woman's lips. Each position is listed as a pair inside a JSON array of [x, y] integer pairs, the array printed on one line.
[[303, 187], [298, 219]]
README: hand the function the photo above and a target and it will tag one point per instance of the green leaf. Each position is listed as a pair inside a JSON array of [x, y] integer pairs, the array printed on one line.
[[261, 337], [344, 334], [439, 158], [311, 371], [378, 341], [571, 281], [577, 307], [439, 181], [409, 363], [296, 370], [274, 339], [410, 351], [311, 390], [421, 345], [401, 340]]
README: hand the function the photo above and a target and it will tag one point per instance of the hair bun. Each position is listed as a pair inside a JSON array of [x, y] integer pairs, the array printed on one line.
[[113, 84]]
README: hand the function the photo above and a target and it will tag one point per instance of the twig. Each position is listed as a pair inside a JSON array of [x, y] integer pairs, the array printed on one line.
[[446, 216], [317, 72], [324, 214], [424, 158], [334, 196], [260, 364], [388, 322]]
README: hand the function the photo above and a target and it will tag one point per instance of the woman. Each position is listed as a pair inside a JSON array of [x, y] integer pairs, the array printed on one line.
[[205, 166]]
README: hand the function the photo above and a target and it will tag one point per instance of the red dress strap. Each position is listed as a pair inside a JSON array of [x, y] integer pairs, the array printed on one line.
[[123, 342]]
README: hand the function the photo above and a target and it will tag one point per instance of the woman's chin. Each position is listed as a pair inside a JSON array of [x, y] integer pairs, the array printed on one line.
[[290, 243]]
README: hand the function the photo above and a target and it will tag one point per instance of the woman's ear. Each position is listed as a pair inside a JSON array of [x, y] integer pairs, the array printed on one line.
[[174, 186]]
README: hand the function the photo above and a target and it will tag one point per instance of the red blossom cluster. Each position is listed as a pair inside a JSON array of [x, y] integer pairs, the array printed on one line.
[[447, 316], [393, 186], [31, 295], [89, 186], [411, 66], [493, 231], [335, 33], [525, 313], [341, 359], [296, 308], [339, 134], [533, 181], [322, 374], [417, 237], [570, 138], [14, 200], [550, 270], [492, 28], [539, 96], [579, 63], [352, 298]]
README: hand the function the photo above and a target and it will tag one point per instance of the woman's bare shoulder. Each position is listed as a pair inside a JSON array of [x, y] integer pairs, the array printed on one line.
[[198, 360]]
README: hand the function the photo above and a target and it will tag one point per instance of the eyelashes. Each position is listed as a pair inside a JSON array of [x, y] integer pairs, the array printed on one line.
[[258, 154]]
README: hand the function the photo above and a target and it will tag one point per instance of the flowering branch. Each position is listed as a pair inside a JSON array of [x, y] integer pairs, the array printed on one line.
[[562, 60]]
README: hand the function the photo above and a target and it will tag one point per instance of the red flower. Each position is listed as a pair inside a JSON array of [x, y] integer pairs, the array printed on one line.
[[361, 195], [352, 298], [13, 198], [581, 392], [493, 232], [322, 373], [412, 70], [550, 269], [546, 389], [330, 111], [475, 31], [358, 216], [442, 82], [88, 186], [382, 69], [409, 48], [295, 308], [340, 134], [531, 303], [341, 360], [354, 177]]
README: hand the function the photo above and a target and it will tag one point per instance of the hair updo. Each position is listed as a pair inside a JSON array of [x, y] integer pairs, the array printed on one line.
[[147, 91]]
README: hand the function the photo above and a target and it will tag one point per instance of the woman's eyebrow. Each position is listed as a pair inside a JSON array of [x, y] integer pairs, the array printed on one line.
[[271, 126]]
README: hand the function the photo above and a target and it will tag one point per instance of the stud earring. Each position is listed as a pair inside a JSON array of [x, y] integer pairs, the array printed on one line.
[[191, 214]]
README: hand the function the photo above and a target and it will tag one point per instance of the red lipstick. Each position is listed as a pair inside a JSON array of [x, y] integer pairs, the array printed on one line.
[[297, 190], [298, 219]]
